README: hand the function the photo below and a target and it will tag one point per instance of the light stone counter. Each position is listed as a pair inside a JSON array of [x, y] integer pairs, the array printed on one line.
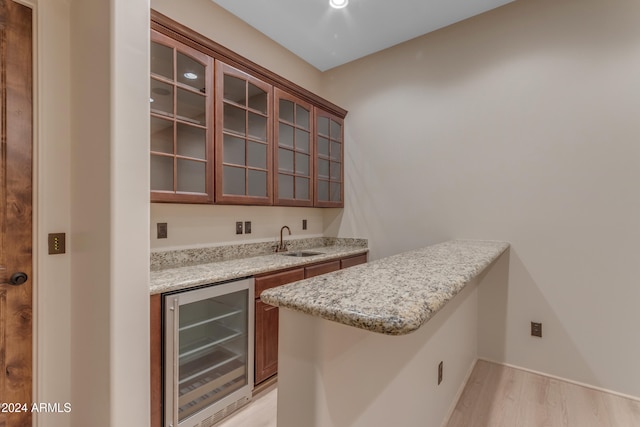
[[243, 265], [394, 295]]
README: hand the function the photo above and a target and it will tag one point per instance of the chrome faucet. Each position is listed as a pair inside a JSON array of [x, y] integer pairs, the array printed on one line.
[[282, 247]]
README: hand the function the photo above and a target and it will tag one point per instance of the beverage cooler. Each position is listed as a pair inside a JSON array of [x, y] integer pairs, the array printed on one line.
[[208, 352]]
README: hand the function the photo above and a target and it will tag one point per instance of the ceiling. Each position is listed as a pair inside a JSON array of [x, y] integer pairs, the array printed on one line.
[[327, 37]]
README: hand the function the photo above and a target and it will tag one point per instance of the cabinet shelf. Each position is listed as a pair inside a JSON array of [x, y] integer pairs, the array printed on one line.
[[202, 316]]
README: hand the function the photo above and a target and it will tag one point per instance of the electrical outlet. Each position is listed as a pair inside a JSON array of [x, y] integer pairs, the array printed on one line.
[[304, 224], [536, 329], [247, 227], [162, 230], [239, 227], [440, 371]]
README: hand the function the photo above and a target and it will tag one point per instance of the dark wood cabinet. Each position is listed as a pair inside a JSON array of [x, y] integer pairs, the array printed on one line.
[[294, 152], [322, 268], [266, 316], [329, 160], [181, 96], [157, 399], [226, 130], [243, 143]]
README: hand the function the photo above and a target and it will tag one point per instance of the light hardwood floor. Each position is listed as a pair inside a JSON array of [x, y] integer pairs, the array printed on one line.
[[498, 396], [261, 412]]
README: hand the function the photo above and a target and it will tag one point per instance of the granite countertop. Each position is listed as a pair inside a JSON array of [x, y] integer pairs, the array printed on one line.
[[184, 277], [394, 295]]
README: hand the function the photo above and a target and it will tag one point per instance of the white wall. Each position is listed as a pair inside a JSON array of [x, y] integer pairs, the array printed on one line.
[[52, 196], [109, 213], [333, 375], [202, 225], [520, 125]]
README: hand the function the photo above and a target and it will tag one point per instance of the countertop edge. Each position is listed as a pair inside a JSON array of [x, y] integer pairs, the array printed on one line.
[[182, 278], [388, 322]]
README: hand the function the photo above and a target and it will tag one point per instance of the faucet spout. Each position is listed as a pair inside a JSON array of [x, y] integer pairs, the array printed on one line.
[[282, 247]]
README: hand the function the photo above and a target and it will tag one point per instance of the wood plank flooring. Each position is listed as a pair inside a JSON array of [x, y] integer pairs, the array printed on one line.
[[498, 396], [261, 412]]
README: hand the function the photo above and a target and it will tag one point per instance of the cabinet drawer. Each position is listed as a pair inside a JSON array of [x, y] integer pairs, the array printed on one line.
[[355, 260], [272, 280], [326, 267]]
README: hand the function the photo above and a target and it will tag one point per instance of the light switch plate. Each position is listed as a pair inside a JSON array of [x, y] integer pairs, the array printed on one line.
[[162, 230], [57, 243], [238, 227]]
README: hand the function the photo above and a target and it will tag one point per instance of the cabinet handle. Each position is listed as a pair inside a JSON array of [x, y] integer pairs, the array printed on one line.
[[176, 359]]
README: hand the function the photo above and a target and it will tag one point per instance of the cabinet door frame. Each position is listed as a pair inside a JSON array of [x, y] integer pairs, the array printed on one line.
[[222, 69], [207, 62], [280, 201], [328, 203]]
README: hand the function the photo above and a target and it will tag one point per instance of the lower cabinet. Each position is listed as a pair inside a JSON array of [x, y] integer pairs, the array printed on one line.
[[266, 316], [266, 327]]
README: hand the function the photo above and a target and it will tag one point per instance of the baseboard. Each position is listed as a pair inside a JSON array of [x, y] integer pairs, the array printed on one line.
[[555, 377], [458, 394]]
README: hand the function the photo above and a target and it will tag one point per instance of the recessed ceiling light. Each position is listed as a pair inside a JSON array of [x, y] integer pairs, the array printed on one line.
[[191, 76], [338, 4]]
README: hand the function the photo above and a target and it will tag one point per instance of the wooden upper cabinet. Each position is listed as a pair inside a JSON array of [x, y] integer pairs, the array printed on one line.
[[329, 158], [243, 143], [181, 107], [293, 155]]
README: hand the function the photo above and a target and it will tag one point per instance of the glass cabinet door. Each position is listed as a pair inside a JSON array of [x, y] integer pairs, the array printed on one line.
[[243, 138], [329, 132], [180, 108], [294, 153]]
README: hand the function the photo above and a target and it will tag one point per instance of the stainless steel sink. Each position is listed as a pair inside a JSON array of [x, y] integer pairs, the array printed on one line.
[[300, 253]]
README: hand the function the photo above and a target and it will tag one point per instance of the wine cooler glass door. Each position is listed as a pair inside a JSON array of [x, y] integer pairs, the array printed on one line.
[[210, 355]]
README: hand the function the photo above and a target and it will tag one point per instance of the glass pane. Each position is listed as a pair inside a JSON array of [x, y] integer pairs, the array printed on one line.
[[302, 188], [257, 99], [286, 110], [285, 160], [285, 135], [285, 186], [336, 131], [302, 164], [323, 168], [335, 192], [161, 173], [257, 183], [258, 126], [323, 191], [302, 117], [212, 351], [323, 126], [234, 180], [191, 142], [336, 171], [323, 146], [234, 119], [235, 90], [302, 140], [191, 72], [162, 60], [161, 135], [191, 176], [161, 98], [256, 155], [234, 151], [336, 151], [191, 107]]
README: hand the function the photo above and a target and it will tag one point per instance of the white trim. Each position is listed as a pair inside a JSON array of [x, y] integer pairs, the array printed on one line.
[[458, 395], [555, 377]]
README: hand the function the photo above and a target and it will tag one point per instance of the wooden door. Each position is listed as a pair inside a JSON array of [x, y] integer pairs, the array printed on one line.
[[15, 214], [266, 336]]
